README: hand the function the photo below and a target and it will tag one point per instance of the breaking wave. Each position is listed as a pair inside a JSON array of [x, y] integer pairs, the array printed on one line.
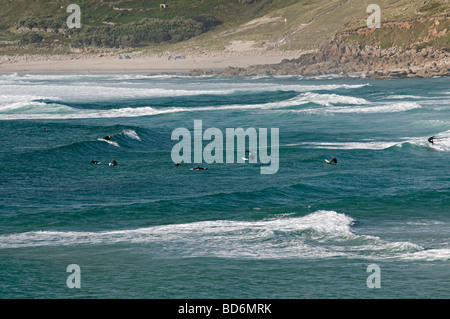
[[321, 234]]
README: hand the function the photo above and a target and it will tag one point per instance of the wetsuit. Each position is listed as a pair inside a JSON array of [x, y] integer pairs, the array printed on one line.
[[431, 140], [107, 138], [334, 160]]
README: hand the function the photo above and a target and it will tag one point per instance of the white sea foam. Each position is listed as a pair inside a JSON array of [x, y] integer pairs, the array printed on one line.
[[325, 222], [371, 108], [329, 99], [441, 254], [109, 142], [272, 238], [321, 234], [48, 77], [13, 102], [350, 145], [88, 91], [442, 141], [82, 89], [49, 111], [21, 106], [132, 134], [8, 99], [401, 97], [425, 223], [306, 88], [36, 110]]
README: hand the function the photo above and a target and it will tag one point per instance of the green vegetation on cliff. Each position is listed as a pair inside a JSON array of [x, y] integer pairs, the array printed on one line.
[[33, 25]]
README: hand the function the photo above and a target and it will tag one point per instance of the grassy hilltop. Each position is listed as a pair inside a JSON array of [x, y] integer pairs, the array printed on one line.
[[39, 26]]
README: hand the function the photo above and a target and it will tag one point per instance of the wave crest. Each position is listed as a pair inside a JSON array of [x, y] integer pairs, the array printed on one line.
[[321, 234]]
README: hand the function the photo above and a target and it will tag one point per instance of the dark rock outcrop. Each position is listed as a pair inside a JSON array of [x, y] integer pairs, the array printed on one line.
[[337, 57]]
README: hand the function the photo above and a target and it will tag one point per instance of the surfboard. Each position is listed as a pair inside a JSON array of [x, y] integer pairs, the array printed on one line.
[[328, 162], [245, 159], [109, 142]]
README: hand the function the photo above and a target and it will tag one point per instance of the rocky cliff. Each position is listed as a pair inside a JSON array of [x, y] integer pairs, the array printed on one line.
[[338, 58], [363, 52]]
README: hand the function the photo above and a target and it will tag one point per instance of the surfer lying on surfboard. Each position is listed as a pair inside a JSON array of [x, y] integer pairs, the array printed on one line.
[[199, 168]]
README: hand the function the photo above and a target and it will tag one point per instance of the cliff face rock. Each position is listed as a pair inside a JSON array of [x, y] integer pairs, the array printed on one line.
[[420, 32], [340, 58], [417, 48]]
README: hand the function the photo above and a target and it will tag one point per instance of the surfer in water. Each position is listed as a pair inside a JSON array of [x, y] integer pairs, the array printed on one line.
[[95, 162], [198, 168], [431, 139], [113, 163], [107, 138], [334, 160], [251, 156], [177, 164]]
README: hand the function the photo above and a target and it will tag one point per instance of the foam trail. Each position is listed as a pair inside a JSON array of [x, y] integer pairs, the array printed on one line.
[[442, 141], [401, 97], [349, 145], [89, 91], [109, 142], [442, 254], [302, 88], [11, 102], [385, 108], [321, 234], [48, 112], [328, 222], [331, 99], [132, 134]]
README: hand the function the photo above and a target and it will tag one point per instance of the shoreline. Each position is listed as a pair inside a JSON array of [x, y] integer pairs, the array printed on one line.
[[135, 63], [332, 59]]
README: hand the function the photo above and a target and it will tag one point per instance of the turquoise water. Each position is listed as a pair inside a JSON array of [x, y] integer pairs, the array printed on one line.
[[148, 229]]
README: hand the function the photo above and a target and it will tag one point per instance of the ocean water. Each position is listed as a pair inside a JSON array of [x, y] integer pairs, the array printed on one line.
[[148, 229]]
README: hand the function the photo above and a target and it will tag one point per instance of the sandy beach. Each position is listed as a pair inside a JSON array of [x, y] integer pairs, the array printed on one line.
[[121, 63]]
